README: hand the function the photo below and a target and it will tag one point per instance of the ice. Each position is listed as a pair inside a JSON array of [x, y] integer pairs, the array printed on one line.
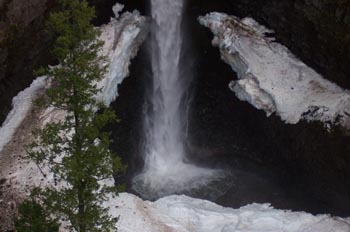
[[185, 214], [123, 37], [271, 78]]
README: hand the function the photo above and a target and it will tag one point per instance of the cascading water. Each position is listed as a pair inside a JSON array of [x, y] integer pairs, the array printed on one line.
[[166, 171]]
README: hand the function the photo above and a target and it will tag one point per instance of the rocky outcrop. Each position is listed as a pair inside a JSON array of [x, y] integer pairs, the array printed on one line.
[[315, 30], [271, 78]]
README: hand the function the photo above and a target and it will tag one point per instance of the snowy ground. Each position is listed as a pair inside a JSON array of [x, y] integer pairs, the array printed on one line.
[[185, 214], [21, 104], [271, 78], [122, 36]]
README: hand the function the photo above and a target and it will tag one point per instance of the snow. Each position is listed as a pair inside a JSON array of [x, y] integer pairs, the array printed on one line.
[[185, 214], [21, 104], [271, 78], [123, 37]]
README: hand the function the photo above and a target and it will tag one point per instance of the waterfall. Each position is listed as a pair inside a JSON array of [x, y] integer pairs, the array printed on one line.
[[164, 124], [166, 171]]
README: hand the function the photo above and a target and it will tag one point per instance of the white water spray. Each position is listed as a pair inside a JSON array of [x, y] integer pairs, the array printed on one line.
[[164, 124], [166, 171]]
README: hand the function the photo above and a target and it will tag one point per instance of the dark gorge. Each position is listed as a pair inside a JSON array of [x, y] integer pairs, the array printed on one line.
[[299, 167]]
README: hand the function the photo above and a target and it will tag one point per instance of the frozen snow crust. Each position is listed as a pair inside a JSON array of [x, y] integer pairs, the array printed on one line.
[[271, 78], [21, 104], [123, 37], [185, 214]]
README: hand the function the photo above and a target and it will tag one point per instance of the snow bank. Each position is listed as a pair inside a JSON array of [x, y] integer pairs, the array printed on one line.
[[185, 214], [123, 37], [271, 78], [21, 104]]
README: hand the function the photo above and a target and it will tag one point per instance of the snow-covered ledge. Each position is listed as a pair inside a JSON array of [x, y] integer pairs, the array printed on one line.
[[122, 38], [271, 78], [185, 214]]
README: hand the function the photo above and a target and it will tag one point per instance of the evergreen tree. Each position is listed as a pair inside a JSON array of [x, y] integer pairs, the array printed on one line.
[[76, 149], [32, 217]]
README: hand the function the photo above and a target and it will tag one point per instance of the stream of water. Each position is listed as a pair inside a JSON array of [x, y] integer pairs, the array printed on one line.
[[166, 170]]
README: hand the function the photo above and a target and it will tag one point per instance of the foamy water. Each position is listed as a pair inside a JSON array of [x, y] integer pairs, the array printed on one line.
[[166, 171]]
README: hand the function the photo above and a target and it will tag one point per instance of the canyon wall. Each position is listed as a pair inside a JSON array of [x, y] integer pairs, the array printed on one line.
[[309, 159], [306, 158]]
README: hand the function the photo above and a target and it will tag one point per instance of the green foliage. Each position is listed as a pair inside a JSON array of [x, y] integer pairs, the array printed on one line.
[[33, 218], [76, 149]]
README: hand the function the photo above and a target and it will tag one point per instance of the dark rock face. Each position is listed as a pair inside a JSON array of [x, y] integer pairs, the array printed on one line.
[[23, 46], [127, 134]]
